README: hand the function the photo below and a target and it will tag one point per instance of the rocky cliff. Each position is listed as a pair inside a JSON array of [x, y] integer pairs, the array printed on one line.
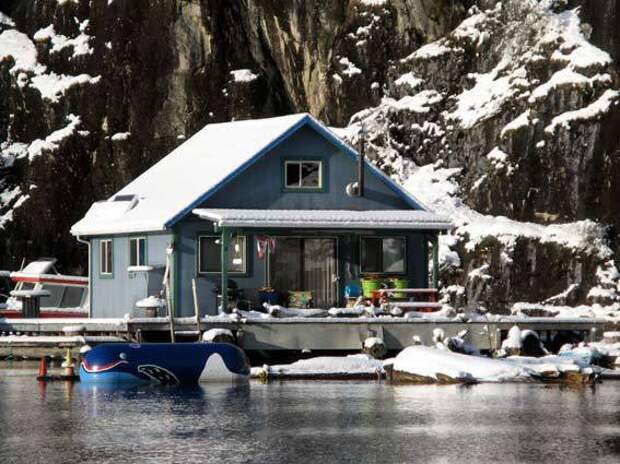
[[503, 115]]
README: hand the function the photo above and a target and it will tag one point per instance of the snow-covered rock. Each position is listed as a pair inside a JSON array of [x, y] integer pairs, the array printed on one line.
[[421, 364]]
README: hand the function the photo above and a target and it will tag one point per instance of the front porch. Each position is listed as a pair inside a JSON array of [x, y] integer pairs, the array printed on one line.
[[315, 259]]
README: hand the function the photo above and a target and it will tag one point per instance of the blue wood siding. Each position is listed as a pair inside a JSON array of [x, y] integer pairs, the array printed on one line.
[[261, 185], [187, 233], [116, 295]]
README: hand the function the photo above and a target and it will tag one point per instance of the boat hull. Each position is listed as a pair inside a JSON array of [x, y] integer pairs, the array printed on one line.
[[55, 314], [164, 363]]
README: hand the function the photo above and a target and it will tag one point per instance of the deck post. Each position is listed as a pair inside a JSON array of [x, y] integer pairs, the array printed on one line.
[[435, 275], [225, 245]]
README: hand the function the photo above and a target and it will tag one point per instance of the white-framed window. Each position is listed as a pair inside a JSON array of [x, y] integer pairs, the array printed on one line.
[[303, 174], [383, 255], [106, 257], [137, 251], [210, 254]]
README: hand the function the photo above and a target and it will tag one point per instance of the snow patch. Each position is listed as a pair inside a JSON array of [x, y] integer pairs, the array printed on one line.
[[210, 335], [120, 136], [243, 75], [358, 364], [52, 86], [374, 2], [409, 79], [594, 110], [7, 196], [349, 68], [575, 50], [17, 45], [4, 19], [151, 302], [431, 50], [52, 141], [486, 98], [418, 103], [523, 120], [80, 43]]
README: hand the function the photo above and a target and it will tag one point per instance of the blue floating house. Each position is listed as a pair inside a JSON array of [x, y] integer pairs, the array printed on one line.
[[277, 210]]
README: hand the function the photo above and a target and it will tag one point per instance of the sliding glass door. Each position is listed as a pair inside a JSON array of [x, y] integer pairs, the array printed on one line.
[[306, 264]]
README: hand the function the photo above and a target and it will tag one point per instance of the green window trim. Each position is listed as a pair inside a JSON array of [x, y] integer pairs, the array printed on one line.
[[383, 271], [140, 255], [106, 258], [291, 161], [231, 252]]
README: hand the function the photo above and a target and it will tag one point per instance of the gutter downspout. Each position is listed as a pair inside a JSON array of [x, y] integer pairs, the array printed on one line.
[[90, 274]]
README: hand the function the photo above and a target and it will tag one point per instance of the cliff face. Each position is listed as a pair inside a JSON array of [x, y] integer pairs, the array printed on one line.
[[505, 110]]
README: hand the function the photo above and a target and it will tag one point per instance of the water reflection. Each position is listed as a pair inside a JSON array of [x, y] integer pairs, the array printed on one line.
[[306, 422]]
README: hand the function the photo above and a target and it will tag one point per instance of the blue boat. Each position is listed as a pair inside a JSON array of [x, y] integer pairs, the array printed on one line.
[[164, 363]]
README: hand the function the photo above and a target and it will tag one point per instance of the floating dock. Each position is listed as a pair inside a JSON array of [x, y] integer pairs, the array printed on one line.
[[31, 337]]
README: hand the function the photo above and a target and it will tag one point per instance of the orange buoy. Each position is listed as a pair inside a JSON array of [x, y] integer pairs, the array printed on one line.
[[42, 369]]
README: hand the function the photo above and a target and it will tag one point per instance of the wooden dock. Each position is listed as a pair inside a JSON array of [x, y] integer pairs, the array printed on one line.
[[29, 336]]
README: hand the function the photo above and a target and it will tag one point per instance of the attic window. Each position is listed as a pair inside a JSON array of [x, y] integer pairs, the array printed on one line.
[[303, 174]]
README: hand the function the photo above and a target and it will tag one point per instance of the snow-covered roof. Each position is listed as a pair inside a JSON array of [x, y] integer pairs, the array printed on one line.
[[195, 170], [328, 219]]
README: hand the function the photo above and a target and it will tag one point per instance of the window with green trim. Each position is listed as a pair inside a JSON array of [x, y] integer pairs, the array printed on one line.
[[137, 251], [301, 174], [105, 257], [383, 255], [210, 254]]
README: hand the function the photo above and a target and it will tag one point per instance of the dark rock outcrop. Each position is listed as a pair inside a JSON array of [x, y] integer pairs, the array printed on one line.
[[118, 84]]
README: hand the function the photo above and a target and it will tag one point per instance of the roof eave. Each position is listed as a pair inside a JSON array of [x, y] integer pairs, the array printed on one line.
[[96, 231], [331, 225], [220, 221]]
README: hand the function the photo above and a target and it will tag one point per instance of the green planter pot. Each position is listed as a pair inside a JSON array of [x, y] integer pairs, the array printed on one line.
[[371, 285], [399, 283]]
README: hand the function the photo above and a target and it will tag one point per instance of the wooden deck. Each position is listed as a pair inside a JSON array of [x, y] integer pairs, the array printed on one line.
[[333, 334]]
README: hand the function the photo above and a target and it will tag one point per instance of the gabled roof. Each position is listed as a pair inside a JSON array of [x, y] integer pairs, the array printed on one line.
[[198, 168]]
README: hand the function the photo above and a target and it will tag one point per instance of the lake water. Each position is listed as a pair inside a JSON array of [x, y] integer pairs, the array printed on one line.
[[357, 422]]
